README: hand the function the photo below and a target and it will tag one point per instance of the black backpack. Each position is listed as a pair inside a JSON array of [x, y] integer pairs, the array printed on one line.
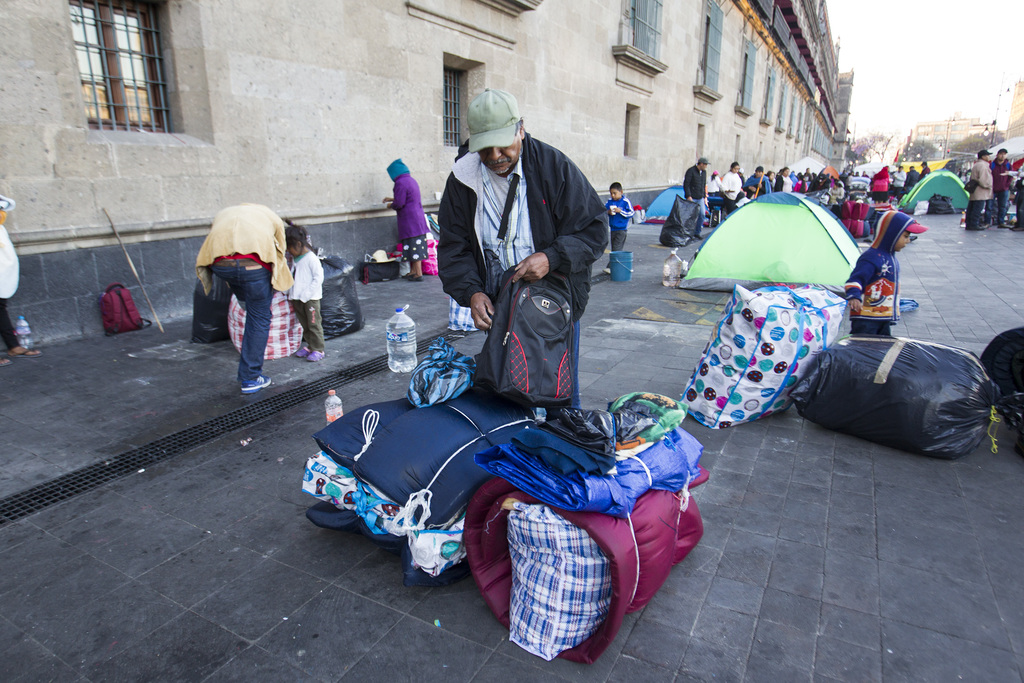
[[527, 357]]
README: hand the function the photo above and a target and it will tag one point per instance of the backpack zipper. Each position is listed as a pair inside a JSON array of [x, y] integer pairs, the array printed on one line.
[[511, 315]]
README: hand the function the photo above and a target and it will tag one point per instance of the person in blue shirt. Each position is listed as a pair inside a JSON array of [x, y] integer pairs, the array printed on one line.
[[620, 213], [757, 184]]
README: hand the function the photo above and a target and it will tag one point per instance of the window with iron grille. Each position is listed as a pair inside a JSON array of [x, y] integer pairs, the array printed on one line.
[[452, 99], [118, 47], [646, 25]]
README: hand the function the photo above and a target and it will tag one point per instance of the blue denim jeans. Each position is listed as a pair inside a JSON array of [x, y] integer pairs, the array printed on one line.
[[252, 287], [1002, 200], [878, 327]]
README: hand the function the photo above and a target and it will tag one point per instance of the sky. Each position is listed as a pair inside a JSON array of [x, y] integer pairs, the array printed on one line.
[[921, 60]]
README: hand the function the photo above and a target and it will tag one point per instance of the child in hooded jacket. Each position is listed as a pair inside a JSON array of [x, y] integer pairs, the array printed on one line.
[[873, 289]]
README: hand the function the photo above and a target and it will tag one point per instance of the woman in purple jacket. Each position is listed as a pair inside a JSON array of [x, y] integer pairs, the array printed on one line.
[[412, 224]]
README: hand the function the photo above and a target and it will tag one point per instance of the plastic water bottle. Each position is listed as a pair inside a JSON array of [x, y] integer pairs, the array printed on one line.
[[23, 332], [333, 406], [401, 342], [670, 273]]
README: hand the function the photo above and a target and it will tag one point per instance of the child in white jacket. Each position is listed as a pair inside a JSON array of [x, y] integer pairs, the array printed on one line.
[[306, 293]]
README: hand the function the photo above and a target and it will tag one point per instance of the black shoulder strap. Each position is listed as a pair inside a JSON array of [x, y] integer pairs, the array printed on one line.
[[509, 200]]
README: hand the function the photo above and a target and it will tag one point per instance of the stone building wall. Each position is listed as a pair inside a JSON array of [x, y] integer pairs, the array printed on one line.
[[302, 105]]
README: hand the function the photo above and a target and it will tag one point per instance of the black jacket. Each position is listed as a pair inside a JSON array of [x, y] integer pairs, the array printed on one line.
[[912, 177], [695, 183], [567, 219]]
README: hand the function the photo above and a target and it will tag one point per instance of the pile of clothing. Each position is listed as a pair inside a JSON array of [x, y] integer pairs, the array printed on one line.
[[403, 476], [589, 503]]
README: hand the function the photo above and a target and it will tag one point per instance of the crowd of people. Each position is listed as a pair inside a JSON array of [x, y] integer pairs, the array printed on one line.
[[732, 190]]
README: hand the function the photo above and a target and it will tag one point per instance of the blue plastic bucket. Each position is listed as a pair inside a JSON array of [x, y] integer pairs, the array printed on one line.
[[621, 265]]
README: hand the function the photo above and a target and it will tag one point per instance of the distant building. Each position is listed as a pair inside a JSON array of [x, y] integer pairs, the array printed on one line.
[[841, 140], [945, 134], [1016, 127], [163, 112]]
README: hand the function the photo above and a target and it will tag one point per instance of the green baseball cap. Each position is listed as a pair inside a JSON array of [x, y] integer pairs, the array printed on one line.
[[493, 115]]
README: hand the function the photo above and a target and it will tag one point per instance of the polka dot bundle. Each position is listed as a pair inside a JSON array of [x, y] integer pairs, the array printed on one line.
[[759, 350]]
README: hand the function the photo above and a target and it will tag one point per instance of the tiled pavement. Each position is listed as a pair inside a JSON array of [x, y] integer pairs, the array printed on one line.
[[825, 557]]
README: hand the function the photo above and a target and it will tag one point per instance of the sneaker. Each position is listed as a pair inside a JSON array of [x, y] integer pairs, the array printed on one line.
[[607, 271], [255, 385], [315, 356], [303, 352]]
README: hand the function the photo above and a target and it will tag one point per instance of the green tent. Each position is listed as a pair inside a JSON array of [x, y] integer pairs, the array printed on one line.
[[781, 237], [937, 182]]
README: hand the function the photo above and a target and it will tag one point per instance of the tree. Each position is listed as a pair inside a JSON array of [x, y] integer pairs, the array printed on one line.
[[973, 143], [921, 150], [875, 147]]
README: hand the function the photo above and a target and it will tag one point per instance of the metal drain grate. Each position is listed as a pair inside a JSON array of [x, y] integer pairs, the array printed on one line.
[[92, 476]]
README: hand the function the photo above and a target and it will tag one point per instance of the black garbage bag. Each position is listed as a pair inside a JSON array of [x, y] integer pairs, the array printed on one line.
[[339, 306], [1004, 360], [940, 204], [631, 422], [682, 224], [919, 397], [210, 312], [592, 430]]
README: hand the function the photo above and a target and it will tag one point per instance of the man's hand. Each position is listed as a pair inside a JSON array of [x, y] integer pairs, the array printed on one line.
[[855, 305], [482, 309], [532, 268]]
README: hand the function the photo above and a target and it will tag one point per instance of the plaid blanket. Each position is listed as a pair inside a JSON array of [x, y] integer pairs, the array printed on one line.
[[285, 331], [561, 582]]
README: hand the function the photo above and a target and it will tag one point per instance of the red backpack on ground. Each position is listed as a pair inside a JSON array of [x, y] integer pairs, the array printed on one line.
[[118, 310]]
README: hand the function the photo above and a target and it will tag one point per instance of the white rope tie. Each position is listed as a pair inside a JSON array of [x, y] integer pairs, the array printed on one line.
[[684, 499], [370, 420], [650, 479], [404, 523]]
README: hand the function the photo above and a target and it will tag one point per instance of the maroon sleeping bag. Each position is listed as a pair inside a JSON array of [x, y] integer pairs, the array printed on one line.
[[664, 536]]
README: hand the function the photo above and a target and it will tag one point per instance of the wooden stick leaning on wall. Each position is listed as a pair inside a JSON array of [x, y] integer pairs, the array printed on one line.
[[156, 318]]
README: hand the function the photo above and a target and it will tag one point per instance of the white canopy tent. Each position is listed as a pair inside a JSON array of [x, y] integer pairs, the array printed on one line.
[[1014, 147], [807, 163], [871, 168]]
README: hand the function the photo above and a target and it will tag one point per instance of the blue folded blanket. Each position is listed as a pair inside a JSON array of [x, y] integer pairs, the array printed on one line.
[[668, 465]]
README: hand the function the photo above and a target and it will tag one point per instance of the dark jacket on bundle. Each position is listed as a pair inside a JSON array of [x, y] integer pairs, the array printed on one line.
[[695, 183], [567, 220]]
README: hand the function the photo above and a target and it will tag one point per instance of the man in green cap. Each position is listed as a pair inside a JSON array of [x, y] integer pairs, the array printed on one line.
[[515, 201]]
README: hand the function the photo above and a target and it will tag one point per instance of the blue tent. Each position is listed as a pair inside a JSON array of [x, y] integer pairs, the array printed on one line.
[[661, 207]]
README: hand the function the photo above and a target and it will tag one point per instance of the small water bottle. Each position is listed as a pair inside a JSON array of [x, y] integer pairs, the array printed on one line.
[[401, 342], [333, 406], [23, 332], [672, 270]]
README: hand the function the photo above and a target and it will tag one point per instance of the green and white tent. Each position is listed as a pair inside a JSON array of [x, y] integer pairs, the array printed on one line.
[[937, 182], [782, 237]]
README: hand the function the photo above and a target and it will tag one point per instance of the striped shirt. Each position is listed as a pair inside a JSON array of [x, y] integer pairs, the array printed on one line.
[[518, 242]]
